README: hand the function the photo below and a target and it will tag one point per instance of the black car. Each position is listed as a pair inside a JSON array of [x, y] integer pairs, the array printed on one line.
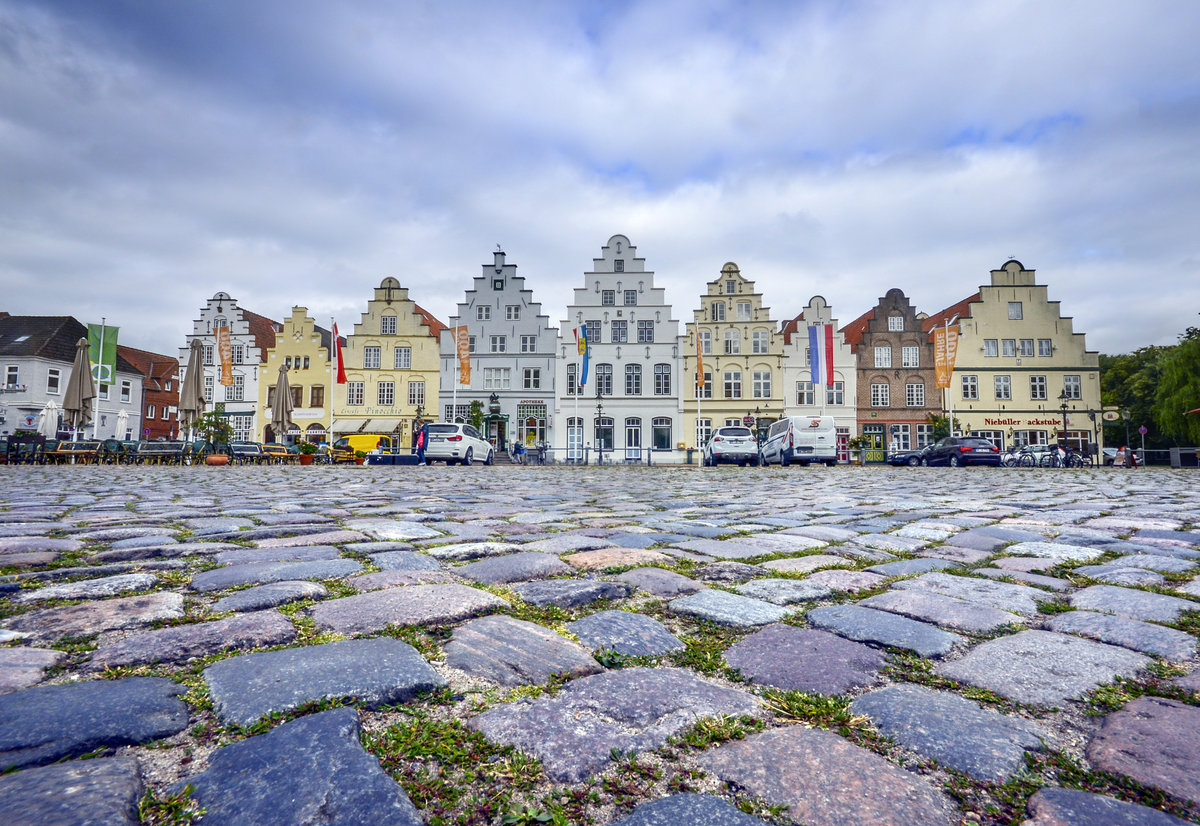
[[963, 450], [911, 458]]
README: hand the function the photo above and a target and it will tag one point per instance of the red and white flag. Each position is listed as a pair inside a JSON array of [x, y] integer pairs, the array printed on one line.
[[337, 357]]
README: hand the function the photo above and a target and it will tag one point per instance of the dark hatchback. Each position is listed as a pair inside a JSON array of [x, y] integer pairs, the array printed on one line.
[[912, 458], [963, 450]]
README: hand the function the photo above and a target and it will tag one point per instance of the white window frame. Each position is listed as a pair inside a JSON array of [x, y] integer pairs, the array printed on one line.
[[633, 379], [402, 358], [512, 312], [416, 393], [497, 378], [1039, 388], [910, 357], [372, 356], [355, 393], [761, 384], [914, 394], [883, 357], [1016, 311], [760, 342], [991, 348], [385, 394], [733, 384], [881, 395], [1002, 386], [531, 378], [483, 312], [895, 324], [1073, 386], [970, 388], [499, 344], [387, 325]]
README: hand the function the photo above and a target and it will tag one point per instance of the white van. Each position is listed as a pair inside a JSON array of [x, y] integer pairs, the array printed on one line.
[[801, 439]]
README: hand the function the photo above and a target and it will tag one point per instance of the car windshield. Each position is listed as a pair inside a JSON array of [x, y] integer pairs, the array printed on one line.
[[443, 428], [977, 442], [734, 431]]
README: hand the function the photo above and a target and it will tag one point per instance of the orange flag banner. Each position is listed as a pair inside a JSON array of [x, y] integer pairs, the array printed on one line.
[[225, 353], [463, 342], [945, 351], [699, 362]]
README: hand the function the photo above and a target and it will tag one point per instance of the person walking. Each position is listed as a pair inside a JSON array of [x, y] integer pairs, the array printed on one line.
[[422, 443]]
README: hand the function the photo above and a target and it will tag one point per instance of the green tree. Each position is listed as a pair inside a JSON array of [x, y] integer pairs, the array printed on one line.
[[475, 416], [1129, 382], [941, 425], [213, 427], [1178, 390]]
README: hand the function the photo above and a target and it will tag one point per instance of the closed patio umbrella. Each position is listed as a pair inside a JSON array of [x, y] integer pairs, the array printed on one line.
[[191, 394], [281, 406], [81, 390], [48, 421], [122, 423]]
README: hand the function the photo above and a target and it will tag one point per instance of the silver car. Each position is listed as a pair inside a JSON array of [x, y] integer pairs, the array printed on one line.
[[460, 443], [732, 444]]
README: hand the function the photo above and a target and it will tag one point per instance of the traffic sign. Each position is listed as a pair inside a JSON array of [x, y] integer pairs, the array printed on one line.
[[1143, 430]]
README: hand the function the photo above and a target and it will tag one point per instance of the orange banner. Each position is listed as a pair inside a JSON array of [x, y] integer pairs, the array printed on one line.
[[945, 351], [225, 354], [463, 342], [699, 362]]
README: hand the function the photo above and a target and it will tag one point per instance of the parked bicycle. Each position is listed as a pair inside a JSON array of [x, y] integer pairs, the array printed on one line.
[[1062, 457]]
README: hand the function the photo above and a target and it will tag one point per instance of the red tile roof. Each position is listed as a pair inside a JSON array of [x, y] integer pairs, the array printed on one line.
[[435, 327], [854, 331], [790, 327], [962, 309], [156, 367], [263, 329]]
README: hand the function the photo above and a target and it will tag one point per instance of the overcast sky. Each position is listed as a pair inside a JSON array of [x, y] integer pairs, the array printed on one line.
[[154, 153]]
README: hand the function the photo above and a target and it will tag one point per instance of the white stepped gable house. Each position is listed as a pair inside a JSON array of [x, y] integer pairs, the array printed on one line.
[[512, 350], [631, 403], [800, 398]]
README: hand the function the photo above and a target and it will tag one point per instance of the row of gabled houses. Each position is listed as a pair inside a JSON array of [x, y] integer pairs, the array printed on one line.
[[1020, 369]]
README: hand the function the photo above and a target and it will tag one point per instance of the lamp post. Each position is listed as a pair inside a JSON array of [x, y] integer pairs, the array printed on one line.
[[599, 419], [1062, 397], [1125, 415]]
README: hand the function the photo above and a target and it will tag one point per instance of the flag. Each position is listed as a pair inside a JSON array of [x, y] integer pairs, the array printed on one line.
[[581, 343], [945, 350], [462, 343], [820, 353], [225, 352], [699, 362], [102, 352], [339, 365]]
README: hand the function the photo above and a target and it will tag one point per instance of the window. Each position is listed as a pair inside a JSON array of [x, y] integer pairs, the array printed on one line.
[[238, 353], [989, 348], [512, 312], [883, 356], [149, 411], [970, 388], [166, 412], [471, 344], [387, 394], [718, 311], [619, 331], [924, 435], [528, 344], [1015, 311], [497, 378], [645, 332], [287, 362], [760, 341], [593, 331], [355, 392], [733, 342], [608, 298], [661, 433], [297, 396], [662, 379], [633, 379], [498, 284], [208, 389], [102, 392], [1073, 387], [1008, 347], [12, 376], [532, 378], [804, 393], [761, 384], [910, 357], [316, 396], [896, 323], [387, 325], [167, 386], [416, 393], [899, 437], [208, 354], [705, 392], [572, 379], [703, 431], [881, 395], [403, 358], [235, 392], [633, 439], [743, 311], [241, 428], [733, 384], [631, 298], [1003, 387], [306, 362], [483, 312], [1025, 347], [371, 358], [706, 342], [604, 379], [1037, 387], [499, 344], [914, 394], [730, 287], [835, 393], [53, 380], [618, 265], [604, 433], [1045, 348]]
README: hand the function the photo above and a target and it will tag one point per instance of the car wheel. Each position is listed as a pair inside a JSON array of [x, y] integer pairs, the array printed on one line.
[[491, 459], [466, 459], [954, 461], [913, 461], [924, 463]]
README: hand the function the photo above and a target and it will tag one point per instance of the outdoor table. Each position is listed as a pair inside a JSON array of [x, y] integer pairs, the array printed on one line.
[[160, 453], [83, 453]]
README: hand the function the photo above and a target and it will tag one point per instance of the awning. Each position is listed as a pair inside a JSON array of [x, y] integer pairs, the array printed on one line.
[[381, 425], [348, 425]]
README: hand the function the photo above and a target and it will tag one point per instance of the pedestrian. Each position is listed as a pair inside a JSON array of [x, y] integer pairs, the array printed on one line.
[[520, 453], [422, 443]]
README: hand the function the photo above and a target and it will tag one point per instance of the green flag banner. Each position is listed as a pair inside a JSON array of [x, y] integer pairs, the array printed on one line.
[[102, 341]]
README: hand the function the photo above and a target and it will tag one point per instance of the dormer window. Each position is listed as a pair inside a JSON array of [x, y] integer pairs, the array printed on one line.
[[619, 265], [730, 287]]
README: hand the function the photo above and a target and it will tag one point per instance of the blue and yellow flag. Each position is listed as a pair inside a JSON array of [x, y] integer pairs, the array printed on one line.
[[581, 342]]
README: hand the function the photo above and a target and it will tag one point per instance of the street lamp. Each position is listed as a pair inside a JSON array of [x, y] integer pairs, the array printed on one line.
[[1125, 414], [1062, 397], [599, 420]]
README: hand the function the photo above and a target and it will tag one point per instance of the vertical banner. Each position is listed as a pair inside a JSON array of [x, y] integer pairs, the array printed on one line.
[[820, 354], [581, 343], [699, 362], [462, 342], [225, 353], [339, 365], [102, 352], [945, 350]]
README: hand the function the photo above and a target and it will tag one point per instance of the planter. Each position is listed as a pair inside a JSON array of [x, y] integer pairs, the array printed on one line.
[[216, 459], [306, 458], [359, 461]]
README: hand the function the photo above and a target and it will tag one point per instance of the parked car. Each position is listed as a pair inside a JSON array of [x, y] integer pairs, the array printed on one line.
[[911, 458], [452, 442], [801, 439], [1119, 457], [736, 445], [1109, 454], [963, 450]]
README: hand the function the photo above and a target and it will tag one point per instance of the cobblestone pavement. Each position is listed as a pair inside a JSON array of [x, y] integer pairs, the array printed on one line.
[[485, 645]]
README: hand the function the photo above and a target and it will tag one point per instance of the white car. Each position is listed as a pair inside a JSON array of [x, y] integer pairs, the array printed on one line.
[[731, 444], [461, 443]]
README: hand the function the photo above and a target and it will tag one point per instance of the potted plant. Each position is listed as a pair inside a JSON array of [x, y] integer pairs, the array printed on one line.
[[307, 452], [360, 456], [856, 446]]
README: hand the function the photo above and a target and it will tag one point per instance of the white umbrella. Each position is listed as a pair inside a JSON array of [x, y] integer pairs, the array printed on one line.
[[48, 421], [122, 424]]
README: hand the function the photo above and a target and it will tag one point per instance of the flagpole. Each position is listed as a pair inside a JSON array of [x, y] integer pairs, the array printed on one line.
[[454, 398], [696, 389], [333, 344]]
